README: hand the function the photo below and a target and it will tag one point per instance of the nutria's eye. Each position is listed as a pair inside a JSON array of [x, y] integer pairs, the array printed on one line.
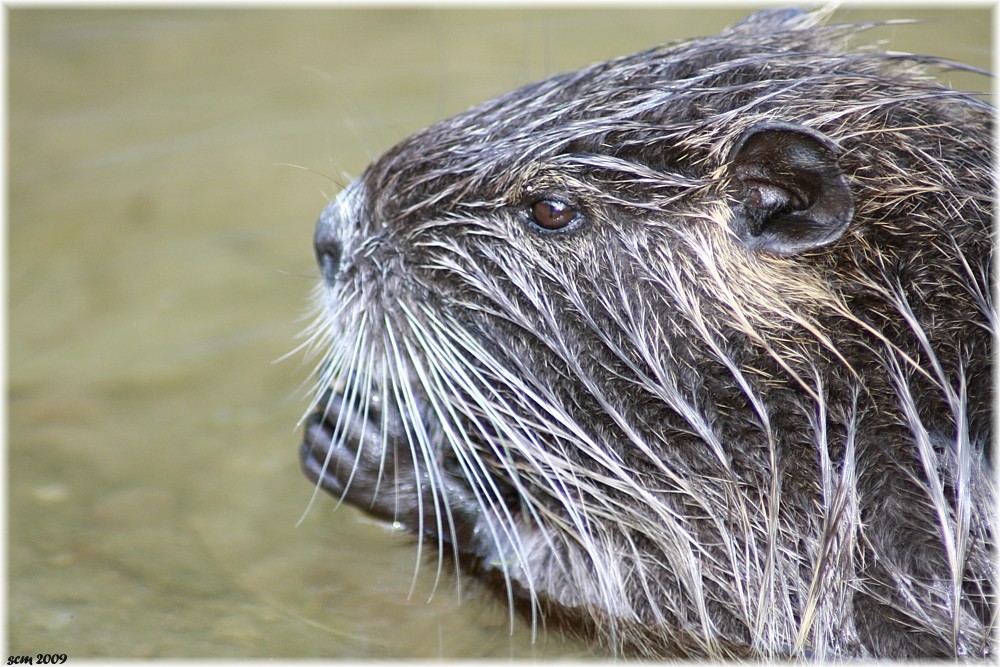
[[552, 214]]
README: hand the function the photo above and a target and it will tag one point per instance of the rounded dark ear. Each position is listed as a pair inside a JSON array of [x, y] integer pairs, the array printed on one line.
[[791, 194]]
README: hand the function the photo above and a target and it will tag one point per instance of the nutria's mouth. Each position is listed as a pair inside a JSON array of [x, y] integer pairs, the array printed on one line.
[[348, 448], [314, 453], [357, 448], [361, 450]]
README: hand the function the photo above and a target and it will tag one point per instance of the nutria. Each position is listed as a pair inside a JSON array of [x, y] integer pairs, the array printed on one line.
[[688, 352]]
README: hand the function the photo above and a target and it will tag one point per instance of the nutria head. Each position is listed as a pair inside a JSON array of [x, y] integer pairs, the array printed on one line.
[[689, 351]]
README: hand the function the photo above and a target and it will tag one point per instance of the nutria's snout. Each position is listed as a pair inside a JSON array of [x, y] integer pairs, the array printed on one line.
[[688, 353], [328, 248]]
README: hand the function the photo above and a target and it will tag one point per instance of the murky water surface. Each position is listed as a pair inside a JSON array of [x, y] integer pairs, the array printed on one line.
[[166, 168]]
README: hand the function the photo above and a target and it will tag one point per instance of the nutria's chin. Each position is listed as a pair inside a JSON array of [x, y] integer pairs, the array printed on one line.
[[688, 352]]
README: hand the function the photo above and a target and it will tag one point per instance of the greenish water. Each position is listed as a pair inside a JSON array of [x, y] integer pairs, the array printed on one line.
[[165, 172]]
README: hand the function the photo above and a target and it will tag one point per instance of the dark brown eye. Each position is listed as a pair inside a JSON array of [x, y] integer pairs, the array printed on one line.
[[552, 214]]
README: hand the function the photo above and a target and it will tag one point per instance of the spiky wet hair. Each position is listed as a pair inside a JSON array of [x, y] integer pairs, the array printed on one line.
[[679, 423]]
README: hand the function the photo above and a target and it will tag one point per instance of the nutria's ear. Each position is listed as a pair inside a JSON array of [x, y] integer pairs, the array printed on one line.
[[791, 194]]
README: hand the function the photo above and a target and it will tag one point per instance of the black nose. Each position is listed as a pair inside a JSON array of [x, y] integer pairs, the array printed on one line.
[[327, 247]]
